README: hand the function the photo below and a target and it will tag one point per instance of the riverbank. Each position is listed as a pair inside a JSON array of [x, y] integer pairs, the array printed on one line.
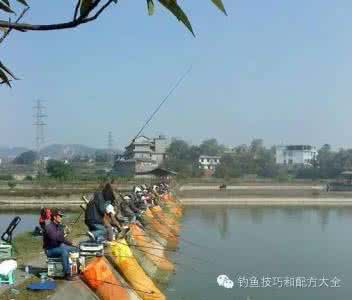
[[242, 195], [29, 252], [257, 201]]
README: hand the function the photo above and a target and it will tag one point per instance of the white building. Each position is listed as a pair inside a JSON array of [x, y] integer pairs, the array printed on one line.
[[207, 162], [295, 154]]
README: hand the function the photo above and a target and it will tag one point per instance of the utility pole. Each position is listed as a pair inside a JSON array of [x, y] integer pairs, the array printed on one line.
[[39, 116], [111, 148]]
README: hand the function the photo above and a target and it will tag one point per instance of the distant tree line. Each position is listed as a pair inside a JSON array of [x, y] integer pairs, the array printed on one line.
[[249, 159], [328, 164], [254, 159], [183, 157]]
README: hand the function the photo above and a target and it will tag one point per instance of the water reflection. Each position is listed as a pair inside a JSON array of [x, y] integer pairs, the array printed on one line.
[[324, 217], [257, 241], [217, 217], [257, 215], [294, 212], [223, 224]]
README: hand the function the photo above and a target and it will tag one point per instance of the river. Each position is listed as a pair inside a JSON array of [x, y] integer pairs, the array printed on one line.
[[268, 253], [253, 245], [28, 221]]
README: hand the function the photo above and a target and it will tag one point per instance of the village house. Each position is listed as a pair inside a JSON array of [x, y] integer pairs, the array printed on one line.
[[295, 155], [208, 164]]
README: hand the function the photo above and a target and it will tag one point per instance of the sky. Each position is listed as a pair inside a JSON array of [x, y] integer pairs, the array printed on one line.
[[276, 70]]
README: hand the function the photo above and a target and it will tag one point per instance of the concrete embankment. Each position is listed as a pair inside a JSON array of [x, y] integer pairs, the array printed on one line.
[[263, 195], [250, 201], [242, 195], [252, 187], [16, 202]]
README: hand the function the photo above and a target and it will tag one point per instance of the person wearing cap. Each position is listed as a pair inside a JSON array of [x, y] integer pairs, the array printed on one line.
[[55, 244], [110, 222]]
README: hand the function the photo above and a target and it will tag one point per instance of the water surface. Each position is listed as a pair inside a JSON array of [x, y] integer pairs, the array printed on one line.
[[252, 243], [248, 243]]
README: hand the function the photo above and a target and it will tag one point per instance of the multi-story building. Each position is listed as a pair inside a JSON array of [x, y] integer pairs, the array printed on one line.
[[142, 155], [295, 155]]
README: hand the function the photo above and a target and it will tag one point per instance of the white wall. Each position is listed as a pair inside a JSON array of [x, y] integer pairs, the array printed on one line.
[[292, 157]]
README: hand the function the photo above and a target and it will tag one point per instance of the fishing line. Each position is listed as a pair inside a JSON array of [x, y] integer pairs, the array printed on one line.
[[122, 285], [155, 255], [163, 101]]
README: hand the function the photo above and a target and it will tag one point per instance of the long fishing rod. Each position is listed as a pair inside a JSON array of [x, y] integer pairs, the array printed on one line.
[[162, 102]]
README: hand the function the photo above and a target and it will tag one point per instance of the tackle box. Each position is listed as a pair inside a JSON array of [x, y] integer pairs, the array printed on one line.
[[90, 248], [55, 267]]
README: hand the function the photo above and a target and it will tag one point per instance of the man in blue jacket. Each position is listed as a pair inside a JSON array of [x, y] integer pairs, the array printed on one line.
[[55, 244]]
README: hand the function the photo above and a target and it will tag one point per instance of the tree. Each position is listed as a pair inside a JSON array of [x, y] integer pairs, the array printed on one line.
[[326, 162], [183, 158], [211, 147], [85, 11], [11, 184], [252, 159], [228, 168], [59, 170], [178, 149], [102, 156], [26, 158]]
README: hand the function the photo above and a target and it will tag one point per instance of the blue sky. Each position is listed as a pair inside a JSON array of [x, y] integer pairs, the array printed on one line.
[[277, 70]]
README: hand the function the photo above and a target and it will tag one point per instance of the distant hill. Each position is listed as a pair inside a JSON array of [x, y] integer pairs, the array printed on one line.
[[54, 151], [60, 151], [10, 153]]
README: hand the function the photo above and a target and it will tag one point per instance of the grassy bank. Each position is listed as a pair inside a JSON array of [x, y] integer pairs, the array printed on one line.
[[28, 249]]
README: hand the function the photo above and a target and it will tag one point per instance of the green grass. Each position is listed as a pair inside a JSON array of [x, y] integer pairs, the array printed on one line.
[[27, 247]]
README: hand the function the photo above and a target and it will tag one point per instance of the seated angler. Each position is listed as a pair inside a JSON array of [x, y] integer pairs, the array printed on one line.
[[126, 210], [55, 244], [96, 211], [113, 225]]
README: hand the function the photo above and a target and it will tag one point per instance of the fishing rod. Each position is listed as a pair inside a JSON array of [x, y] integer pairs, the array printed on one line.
[[179, 81]]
